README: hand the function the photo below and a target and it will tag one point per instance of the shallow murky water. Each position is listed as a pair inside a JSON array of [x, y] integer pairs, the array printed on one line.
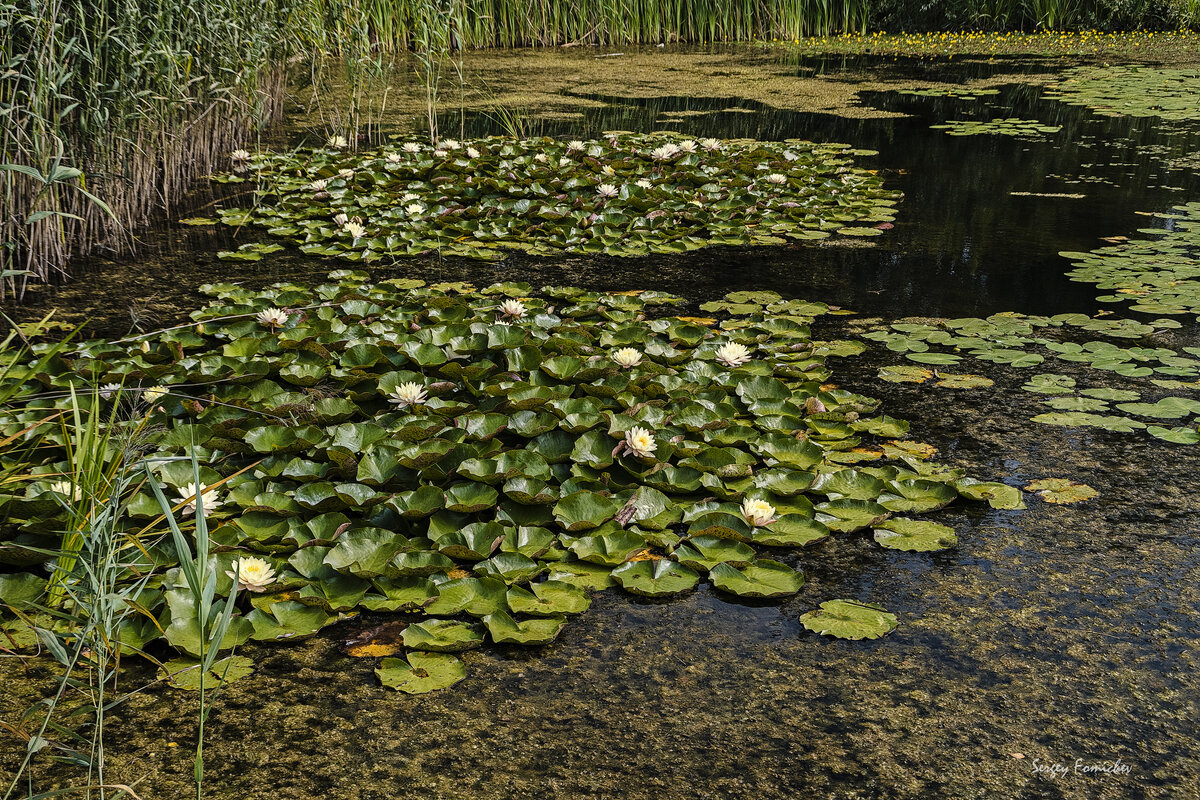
[[1048, 642]]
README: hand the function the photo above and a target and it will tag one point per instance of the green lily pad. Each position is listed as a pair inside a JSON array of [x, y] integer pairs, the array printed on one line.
[[505, 630], [911, 534], [442, 636], [847, 619], [421, 672], [761, 579], [655, 578]]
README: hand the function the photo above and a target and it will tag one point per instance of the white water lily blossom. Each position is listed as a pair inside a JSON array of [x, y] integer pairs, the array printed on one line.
[[209, 499], [776, 178], [355, 229], [408, 197], [414, 208], [640, 442], [394, 158], [628, 357], [711, 145], [564, 162], [608, 170], [318, 185], [758, 512], [732, 354], [472, 152], [345, 174], [574, 146], [411, 147], [408, 394], [448, 144], [155, 393], [512, 308], [663, 152], [541, 158], [108, 390], [439, 153], [645, 184], [337, 142], [606, 190], [272, 317], [687, 146], [240, 156], [340, 220], [253, 574]]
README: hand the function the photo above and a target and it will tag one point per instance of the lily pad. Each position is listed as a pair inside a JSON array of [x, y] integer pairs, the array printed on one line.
[[848, 619]]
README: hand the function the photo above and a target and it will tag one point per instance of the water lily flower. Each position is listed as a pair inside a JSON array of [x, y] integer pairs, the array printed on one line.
[[472, 152], [512, 308], [687, 146], [355, 229], [253, 574], [67, 489], [108, 390], [564, 162], [732, 354], [711, 145], [645, 184], [155, 393], [608, 170], [414, 208], [318, 185], [606, 190], [345, 174], [628, 357], [640, 442], [790, 155], [341, 220], [541, 158], [273, 317], [574, 146], [394, 158], [408, 197], [337, 142], [411, 147], [665, 151], [439, 153], [758, 512], [776, 178], [239, 156], [448, 144], [188, 493], [408, 394]]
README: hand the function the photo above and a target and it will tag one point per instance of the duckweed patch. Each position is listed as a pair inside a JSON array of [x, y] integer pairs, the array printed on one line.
[[628, 195]]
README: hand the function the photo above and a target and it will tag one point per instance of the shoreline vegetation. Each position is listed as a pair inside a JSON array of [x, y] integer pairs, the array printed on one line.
[[111, 114]]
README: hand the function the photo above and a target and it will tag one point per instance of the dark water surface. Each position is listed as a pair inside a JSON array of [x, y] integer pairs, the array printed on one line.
[[1060, 635]]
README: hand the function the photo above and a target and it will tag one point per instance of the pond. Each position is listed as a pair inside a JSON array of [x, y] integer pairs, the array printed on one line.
[[1051, 654]]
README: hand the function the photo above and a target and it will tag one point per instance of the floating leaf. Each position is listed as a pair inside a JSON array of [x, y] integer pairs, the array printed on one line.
[[421, 672], [847, 619]]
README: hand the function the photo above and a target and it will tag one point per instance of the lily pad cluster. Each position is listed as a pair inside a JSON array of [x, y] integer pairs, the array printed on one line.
[[1130, 90], [1158, 275], [481, 461], [627, 194], [1017, 340], [1008, 126], [959, 92]]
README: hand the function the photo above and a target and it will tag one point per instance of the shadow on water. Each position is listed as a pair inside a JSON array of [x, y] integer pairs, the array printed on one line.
[[1054, 638]]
